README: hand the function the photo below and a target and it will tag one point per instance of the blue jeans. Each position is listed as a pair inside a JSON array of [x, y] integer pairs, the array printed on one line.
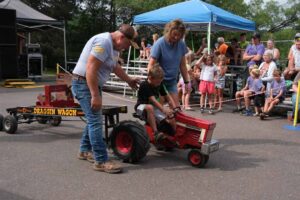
[[171, 86], [294, 98], [92, 138]]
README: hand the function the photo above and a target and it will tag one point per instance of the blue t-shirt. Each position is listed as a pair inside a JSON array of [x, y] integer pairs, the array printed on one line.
[[256, 86], [101, 47], [168, 56], [276, 87], [249, 82], [254, 50]]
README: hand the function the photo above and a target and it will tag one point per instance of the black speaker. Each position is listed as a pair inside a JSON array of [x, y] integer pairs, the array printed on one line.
[[8, 44], [35, 65]]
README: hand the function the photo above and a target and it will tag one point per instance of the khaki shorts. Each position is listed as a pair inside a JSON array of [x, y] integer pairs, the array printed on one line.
[[140, 111]]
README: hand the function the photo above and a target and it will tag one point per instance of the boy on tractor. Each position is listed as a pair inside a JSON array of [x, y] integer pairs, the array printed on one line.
[[148, 106]]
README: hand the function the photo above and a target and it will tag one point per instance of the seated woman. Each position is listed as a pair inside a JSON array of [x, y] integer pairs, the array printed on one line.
[[267, 68], [293, 67], [275, 52], [295, 90]]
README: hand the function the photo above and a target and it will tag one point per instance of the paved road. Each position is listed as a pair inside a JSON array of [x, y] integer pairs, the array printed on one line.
[[257, 160]]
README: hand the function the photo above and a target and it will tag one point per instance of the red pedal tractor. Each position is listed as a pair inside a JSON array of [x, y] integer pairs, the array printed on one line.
[[130, 140]]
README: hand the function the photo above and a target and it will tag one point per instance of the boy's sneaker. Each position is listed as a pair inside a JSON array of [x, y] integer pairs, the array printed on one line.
[[248, 113], [262, 116], [188, 108], [237, 109], [108, 167], [86, 156], [201, 110], [159, 136], [211, 111], [256, 114]]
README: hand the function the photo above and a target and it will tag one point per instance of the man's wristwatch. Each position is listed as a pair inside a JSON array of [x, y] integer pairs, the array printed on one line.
[[186, 82]]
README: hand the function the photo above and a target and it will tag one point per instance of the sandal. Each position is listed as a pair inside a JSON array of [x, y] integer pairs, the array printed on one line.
[[189, 108]]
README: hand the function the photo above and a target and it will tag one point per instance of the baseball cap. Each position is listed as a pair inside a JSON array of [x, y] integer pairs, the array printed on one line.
[[297, 36], [256, 35], [130, 33]]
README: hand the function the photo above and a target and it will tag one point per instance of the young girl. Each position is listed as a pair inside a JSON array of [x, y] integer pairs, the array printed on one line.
[[143, 49], [257, 89], [186, 94], [207, 83], [277, 92], [220, 81]]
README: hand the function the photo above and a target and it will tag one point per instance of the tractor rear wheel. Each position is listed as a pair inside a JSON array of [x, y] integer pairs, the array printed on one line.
[[196, 158], [10, 124], [1, 122], [129, 141]]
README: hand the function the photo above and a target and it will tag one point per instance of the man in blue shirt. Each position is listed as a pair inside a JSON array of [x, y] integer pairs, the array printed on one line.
[[98, 59]]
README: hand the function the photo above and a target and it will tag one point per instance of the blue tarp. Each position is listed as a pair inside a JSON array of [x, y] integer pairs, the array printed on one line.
[[196, 15]]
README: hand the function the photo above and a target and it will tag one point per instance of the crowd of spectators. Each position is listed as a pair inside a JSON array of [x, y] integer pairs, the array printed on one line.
[[207, 72]]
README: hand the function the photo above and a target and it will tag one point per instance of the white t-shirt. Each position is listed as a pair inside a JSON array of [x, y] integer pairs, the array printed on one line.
[[208, 72], [296, 55], [268, 75], [101, 47]]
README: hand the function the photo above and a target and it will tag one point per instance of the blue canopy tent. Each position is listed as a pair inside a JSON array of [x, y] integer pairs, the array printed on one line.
[[197, 16]]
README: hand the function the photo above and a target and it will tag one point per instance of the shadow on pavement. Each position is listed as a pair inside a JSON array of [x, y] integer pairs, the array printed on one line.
[[47, 137], [225, 159], [11, 196]]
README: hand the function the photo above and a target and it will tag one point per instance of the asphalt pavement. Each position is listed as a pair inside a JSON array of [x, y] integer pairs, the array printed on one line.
[[256, 160]]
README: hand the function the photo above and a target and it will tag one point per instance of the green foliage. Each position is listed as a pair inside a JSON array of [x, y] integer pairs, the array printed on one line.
[[85, 18]]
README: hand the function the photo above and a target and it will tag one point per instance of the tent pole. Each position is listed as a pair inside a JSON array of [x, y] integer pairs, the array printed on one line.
[[127, 66], [65, 45], [29, 38], [208, 36], [192, 42]]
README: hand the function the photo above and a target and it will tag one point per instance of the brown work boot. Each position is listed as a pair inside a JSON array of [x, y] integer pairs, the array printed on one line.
[[108, 167], [86, 156]]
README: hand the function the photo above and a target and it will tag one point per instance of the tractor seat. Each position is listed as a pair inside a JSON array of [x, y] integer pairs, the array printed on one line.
[[135, 115]]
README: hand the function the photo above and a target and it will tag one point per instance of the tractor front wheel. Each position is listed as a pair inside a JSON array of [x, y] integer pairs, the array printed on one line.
[[196, 158], [129, 141]]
